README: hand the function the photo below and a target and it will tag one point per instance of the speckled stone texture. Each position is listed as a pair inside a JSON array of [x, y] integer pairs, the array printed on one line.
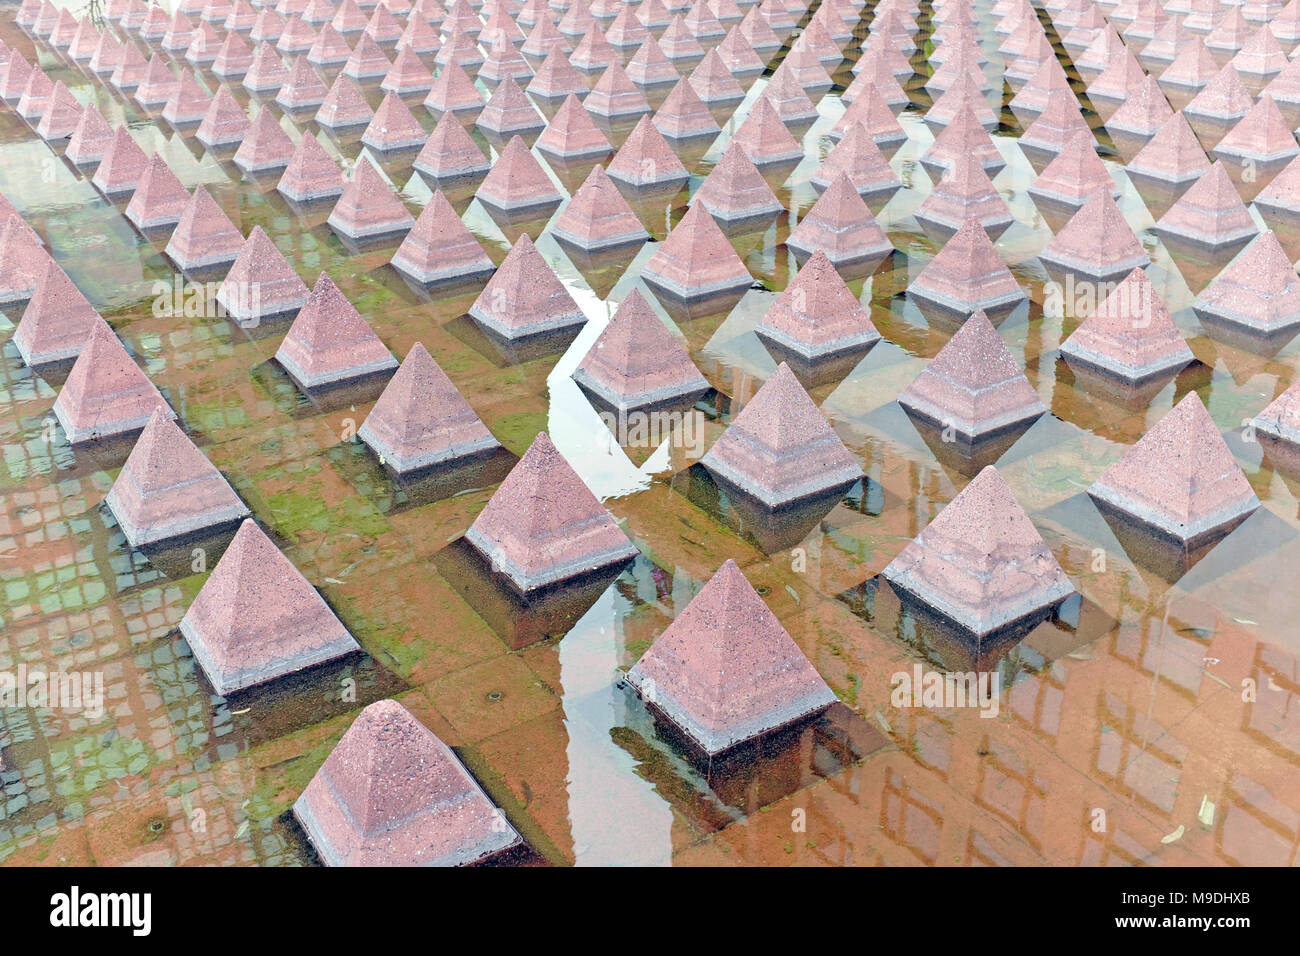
[[1130, 335], [636, 361], [780, 447], [61, 116], [225, 123], [344, 106], [817, 315], [544, 526], [421, 419], [23, 261], [57, 321], [765, 139], [106, 393], [311, 175], [556, 77], [266, 147], [159, 199], [393, 127], [257, 619], [1054, 127], [572, 134], [1262, 136], [1280, 199], [168, 488], [1280, 420], [329, 342], [1074, 175], [453, 91], [696, 261], [981, 563], [615, 97], [858, 157], [870, 110], [509, 112], [967, 274], [368, 207], [598, 217], [1143, 113], [683, 115], [1173, 155], [524, 297], [440, 247], [90, 139], [1097, 242], [392, 794], [1259, 290], [736, 192], [965, 192], [841, 225], [1180, 478], [302, 89], [517, 183], [205, 236], [1210, 214], [974, 385], [261, 283], [188, 103], [450, 154], [725, 671], [646, 161]]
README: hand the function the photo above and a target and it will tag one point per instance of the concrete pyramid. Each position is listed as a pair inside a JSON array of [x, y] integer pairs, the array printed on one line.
[[598, 217], [344, 106], [964, 94], [1262, 136], [328, 48], [57, 321], [735, 191], [1210, 214], [158, 83], [649, 67], [871, 111], [267, 146], [205, 236], [106, 393], [573, 134], [311, 174], [36, 96], [739, 55], [1173, 155], [91, 137], [967, 274], [1143, 113], [517, 183], [267, 72], [1130, 335], [368, 207], [23, 261], [409, 75], [1280, 420], [780, 448], [509, 112], [393, 127], [725, 671], [450, 154], [1224, 99], [1259, 290], [504, 60], [168, 488], [1097, 242], [61, 116], [965, 192], [261, 283], [981, 563], [440, 248], [159, 199], [544, 526], [1123, 75], [1059, 123], [1280, 199], [616, 97], [422, 420], [524, 297], [1179, 479], [683, 115], [189, 102], [453, 91], [234, 58], [368, 60], [646, 161], [557, 77], [963, 134], [841, 225], [766, 140], [715, 85], [696, 261], [1074, 175], [392, 794], [974, 386], [1192, 68], [817, 316], [857, 156], [637, 362], [257, 618], [329, 342], [225, 123]]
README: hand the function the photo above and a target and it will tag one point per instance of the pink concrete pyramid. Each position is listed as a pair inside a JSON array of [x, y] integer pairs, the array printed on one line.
[[765, 138], [57, 321], [392, 794], [817, 315], [1179, 479], [965, 192], [35, 99], [684, 116], [1074, 175], [1209, 214], [974, 386], [106, 393], [257, 619], [649, 67], [1224, 98], [91, 138], [962, 95], [225, 123], [330, 343], [450, 154], [715, 85], [557, 77], [735, 191], [158, 83], [1262, 136], [159, 199], [637, 362], [598, 217], [393, 127], [870, 110], [509, 112], [61, 116], [573, 134], [1173, 155], [1096, 242], [1192, 68], [1280, 420], [422, 420], [267, 72], [518, 184], [327, 48], [453, 91], [981, 563], [368, 207], [1280, 199], [205, 236], [524, 297], [841, 225], [168, 489], [311, 174], [1258, 291], [1130, 335], [261, 283], [963, 134], [267, 146], [189, 102], [616, 97], [696, 261], [543, 525], [408, 75], [344, 106], [23, 261], [1143, 113], [780, 448], [725, 671], [967, 274], [645, 161], [440, 248], [234, 58], [1059, 123], [857, 156], [368, 60]]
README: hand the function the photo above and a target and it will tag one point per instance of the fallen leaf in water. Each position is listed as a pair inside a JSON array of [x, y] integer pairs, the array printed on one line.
[[1176, 835], [884, 723]]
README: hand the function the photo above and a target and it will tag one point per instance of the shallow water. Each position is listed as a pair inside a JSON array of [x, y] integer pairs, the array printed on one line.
[[1121, 722]]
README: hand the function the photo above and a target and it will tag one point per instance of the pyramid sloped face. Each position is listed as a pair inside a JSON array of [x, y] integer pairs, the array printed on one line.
[[329, 342], [1281, 418], [636, 361], [765, 139], [517, 181], [205, 236], [392, 794], [1096, 242], [450, 153], [393, 127], [725, 671], [1210, 213], [572, 133], [646, 160], [858, 157], [544, 526], [781, 448], [440, 247], [23, 261], [57, 321], [368, 207], [421, 419], [1259, 290], [841, 224], [123, 164], [106, 393], [159, 198], [1130, 335], [525, 297], [598, 217], [261, 282], [683, 115], [168, 488], [266, 147], [974, 385], [257, 618], [965, 192], [1075, 174], [981, 563], [1143, 113], [311, 174], [817, 315], [735, 190], [967, 274], [696, 260], [1180, 477]]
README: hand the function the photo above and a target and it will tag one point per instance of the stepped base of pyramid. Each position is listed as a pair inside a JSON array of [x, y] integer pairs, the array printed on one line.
[[157, 222], [734, 219], [860, 342], [517, 333], [1266, 164], [590, 151], [1192, 534], [267, 165], [522, 209], [199, 520], [658, 183], [1206, 241], [943, 227], [992, 166], [563, 567], [404, 464], [333, 377], [697, 292], [309, 192], [676, 395], [603, 243], [1254, 325], [1101, 273], [331, 647], [741, 471], [1130, 374], [49, 357], [1279, 208], [449, 274], [1065, 202], [1280, 432], [371, 232], [967, 431], [100, 427], [778, 715], [858, 257], [871, 192], [192, 260], [993, 305], [463, 175], [259, 308]]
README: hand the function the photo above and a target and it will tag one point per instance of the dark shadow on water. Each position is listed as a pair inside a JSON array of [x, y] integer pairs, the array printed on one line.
[[1156, 550], [812, 372], [962, 453], [503, 352], [394, 493]]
